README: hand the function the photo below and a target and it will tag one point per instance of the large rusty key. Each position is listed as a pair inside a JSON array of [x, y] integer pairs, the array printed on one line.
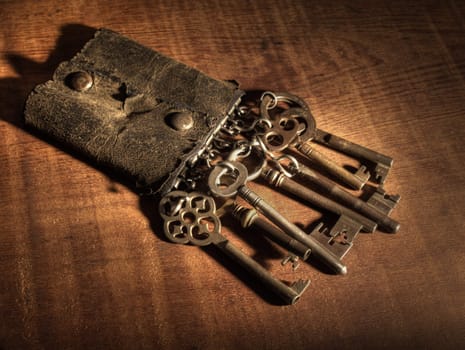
[[229, 178]]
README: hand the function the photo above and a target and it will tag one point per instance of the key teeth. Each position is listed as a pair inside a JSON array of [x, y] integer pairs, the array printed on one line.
[[363, 174], [320, 228], [383, 201], [291, 258], [381, 172], [299, 287], [329, 237], [394, 198], [319, 231]]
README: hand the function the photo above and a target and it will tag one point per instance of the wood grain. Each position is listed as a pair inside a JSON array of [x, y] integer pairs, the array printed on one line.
[[82, 259]]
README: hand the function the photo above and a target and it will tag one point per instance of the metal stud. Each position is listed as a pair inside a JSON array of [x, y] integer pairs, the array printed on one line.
[[180, 121], [80, 81]]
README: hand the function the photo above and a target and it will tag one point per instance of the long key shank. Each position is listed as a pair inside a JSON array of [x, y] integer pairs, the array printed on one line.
[[354, 203], [383, 162], [292, 230], [333, 168], [236, 173], [191, 218], [279, 180]]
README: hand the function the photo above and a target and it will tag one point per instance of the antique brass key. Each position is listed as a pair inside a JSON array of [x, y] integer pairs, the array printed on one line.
[[191, 218]]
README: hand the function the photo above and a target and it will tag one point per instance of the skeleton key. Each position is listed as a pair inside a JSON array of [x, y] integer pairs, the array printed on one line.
[[279, 180], [229, 178], [191, 218], [382, 163], [370, 209], [302, 144]]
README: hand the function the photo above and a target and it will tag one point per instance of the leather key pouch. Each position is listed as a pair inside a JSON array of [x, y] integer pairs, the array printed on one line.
[[127, 106]]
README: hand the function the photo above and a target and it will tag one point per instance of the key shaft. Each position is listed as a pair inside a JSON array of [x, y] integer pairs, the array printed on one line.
[[191, 218], [330, 166], [290, 295], [279, 180], [318, 251], [353, 202], [249, 217], [351, 149]]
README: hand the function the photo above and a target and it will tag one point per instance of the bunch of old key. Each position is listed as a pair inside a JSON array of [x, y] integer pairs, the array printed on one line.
[[261, 139]]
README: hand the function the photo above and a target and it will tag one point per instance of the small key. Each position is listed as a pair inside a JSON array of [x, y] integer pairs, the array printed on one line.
[[355, 181], [229, 178], [191, 218], [339, 238], [305, 135], [382, 163]]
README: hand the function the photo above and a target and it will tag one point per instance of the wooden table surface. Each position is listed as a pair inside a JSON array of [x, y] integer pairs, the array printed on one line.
[[82, 260]]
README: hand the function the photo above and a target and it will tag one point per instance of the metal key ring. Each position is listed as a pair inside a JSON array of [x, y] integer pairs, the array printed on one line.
[[235, 171], [242, 150], [273, 101], [238, 153], [283, 169], [274, 98]]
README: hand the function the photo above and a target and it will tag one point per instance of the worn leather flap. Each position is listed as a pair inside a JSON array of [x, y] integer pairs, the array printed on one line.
[[123, 119]]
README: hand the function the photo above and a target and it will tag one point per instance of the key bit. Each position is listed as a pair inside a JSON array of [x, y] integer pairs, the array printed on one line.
[[382, 201], [294, 259], [363, 174], [339, 239]]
